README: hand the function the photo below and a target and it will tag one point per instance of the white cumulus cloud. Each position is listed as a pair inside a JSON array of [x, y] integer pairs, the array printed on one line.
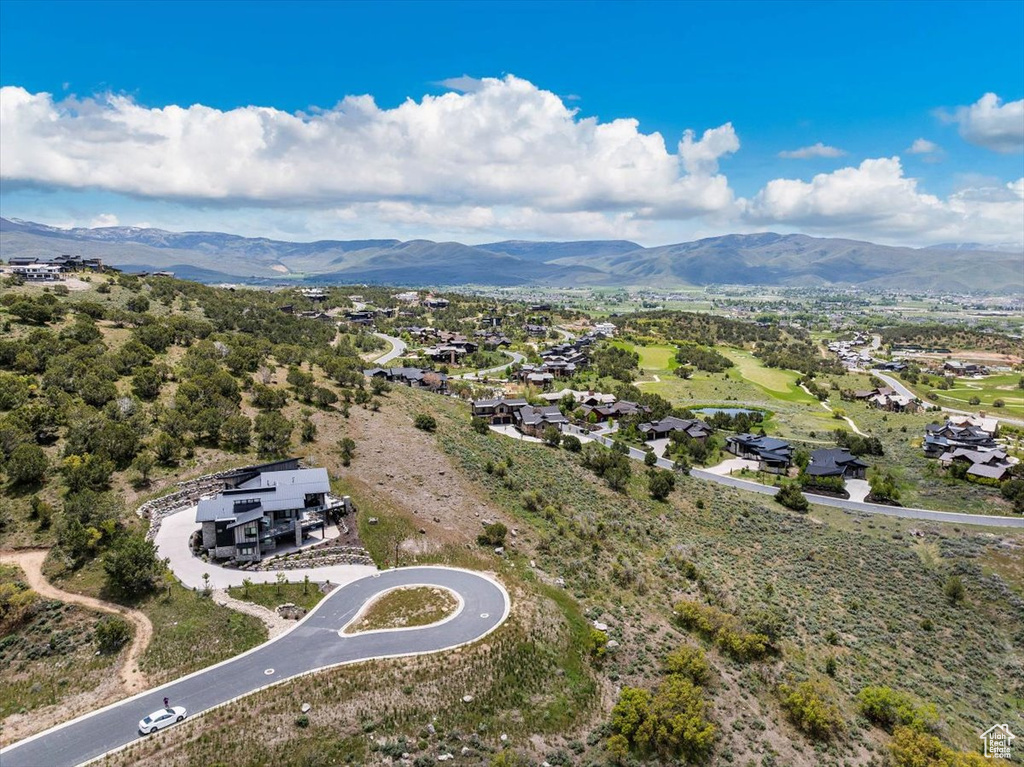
[[814, 150], [990, 123], [496, 142], [923, 146], [876, 199]]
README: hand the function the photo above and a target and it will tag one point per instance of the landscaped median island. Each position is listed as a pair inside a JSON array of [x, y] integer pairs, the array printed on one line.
[[405, 608], [272, 595]]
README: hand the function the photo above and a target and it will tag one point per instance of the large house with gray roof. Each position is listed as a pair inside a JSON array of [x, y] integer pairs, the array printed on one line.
[[262, 506]]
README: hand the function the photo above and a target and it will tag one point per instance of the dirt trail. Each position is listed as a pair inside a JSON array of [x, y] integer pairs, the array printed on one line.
[[31, 561]]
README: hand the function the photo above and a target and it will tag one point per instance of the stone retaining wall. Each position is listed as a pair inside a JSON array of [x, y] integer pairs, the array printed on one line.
[[189, 494]]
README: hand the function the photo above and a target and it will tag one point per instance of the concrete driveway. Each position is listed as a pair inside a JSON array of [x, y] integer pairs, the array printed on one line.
[[314, 644], [172, 543]]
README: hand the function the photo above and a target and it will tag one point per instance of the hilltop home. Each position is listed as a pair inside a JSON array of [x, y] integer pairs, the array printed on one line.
[[983, 464], [773, 455], [836, 462], [691, 427], [616, 410], [413, 377], [263, 505], [535, 420], [939, 439], [497, 411], [581, 398], [38, 272]]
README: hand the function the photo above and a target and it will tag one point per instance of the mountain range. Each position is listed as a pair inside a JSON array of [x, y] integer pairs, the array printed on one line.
[[747, 259]]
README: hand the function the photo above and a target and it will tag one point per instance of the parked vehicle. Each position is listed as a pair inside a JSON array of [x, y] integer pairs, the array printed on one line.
[[164, 717]]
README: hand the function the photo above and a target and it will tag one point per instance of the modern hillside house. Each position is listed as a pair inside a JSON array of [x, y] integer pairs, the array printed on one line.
[[261, 506], [836, 462], [772, 455]]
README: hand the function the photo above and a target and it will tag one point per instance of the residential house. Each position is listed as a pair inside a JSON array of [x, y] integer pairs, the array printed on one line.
[[262, 506], [836, 462], [616, 410], [942, 438], [773, 455], [417, 378], [982, 464], [980, 421], [533, 420], [452, 350], [691, 427], [39, 272], [957, 368], [581, 398], [497, 411]]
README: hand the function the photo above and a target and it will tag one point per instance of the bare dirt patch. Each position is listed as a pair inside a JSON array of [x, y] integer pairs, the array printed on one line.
[[406, 470]]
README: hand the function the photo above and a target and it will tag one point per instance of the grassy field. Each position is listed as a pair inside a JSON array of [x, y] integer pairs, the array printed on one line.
[[654, 358], [987, 390], [405, 608], [270, 595], [616, 554], [778, 383]]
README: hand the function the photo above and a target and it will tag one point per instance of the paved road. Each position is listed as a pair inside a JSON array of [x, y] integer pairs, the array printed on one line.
[[516, 359], [398, 347], [313, 644], [903, 390], [824, 500]]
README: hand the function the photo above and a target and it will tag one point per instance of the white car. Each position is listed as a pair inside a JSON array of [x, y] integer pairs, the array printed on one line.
[[162, 718]]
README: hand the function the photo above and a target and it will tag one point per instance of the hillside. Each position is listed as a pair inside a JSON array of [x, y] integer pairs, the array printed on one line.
[[754, 259], [114, 393]]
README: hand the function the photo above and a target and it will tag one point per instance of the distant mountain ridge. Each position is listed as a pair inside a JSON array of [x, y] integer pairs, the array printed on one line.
[[751, 259]]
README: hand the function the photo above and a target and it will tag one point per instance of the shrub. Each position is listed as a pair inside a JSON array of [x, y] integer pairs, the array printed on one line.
[[571, 443], [425, 422], [808, 707], [302, 721], [724, 629], [954, 590], [493, 535], [112, 633], [650, 458], [910, 748], [890, 708], [552, 436], [479, 425], [690, 662], [131, 565], [27, 464], [789, 495], [660, 482], [671, 723]]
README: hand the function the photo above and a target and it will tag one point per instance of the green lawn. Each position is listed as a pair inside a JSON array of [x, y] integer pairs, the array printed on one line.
[[777, 382], [654, 358], [270, 595], [988, 390]]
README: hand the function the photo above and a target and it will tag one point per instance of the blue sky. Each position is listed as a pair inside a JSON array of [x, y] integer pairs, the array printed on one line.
[[865, 81]]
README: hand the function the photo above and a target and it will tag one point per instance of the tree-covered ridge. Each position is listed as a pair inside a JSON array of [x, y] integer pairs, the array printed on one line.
[[951, 337], [101, 392], [703, 329]]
